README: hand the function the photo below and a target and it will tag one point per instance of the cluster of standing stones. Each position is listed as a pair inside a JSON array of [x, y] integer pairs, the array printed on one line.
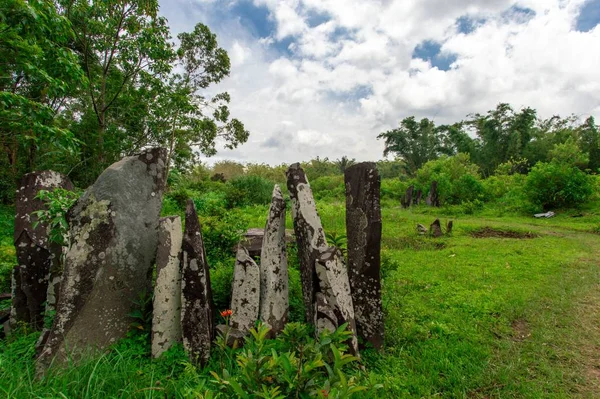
[[116, 236], [412, 197]]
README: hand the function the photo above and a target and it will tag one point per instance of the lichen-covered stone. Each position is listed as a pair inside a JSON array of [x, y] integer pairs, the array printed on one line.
[[166, 309], [245, 292], [233, 337], [18, 309], [325, 318], [435, 228], [310, 236], [274, 302], [37, 257], [113, 230], [197, 307], [334, 284], [363, 232]]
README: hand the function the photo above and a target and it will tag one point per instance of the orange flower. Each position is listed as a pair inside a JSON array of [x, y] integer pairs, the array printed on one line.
[[226, 313]]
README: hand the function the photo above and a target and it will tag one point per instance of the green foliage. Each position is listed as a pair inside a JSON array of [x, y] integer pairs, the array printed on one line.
[[293, 365], [568, 153], [8, 258], [392, 189], [338, 241], [250, 190], [222, 232], [556, 185], [57, 203], [330, 187]]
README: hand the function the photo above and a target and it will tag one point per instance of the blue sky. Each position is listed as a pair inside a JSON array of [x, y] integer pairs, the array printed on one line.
[[325, 77]]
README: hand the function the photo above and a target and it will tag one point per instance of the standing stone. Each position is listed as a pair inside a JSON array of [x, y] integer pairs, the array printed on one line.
[[417, 199], [309, 234], [325, 318], [363, 231], [245, 294], [18, 309], [37, 257], [113, 230], [421, 230], [166, 307], [449, 226], [335, 287], [407, 200], [433, 197], [274, 303], [436, 228], [197, 307]]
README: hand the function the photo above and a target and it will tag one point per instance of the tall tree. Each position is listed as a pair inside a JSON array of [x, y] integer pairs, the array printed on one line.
[[414, 142], [589, 143]]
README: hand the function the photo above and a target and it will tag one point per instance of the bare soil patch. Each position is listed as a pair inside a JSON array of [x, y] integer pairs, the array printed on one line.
[[489, 232]]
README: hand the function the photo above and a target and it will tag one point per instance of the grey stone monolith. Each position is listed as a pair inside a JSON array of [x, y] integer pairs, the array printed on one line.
[[38, 257], [334, 284], [325, 318], [310, 236], [166, 306], [245, 292], [433, 198], [274, 301], [363, 232], [197, 307], [113, 232], [436, 228], [407, 199]]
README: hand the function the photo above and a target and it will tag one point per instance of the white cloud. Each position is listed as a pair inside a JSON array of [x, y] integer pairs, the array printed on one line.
[[351, 75]]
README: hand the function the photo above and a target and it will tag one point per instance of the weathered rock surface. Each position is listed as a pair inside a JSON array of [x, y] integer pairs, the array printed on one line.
[[436, 228], [363, 232], [433, 197], [310, 236], [253, 241], [18, 309], [113, 229], [274, 301], [245, 293], [325, 318], [421, 230], [37, 257], [233, 337], [449, 227], [407, 199], [334, 284], [197, 307], [417, 197], [166, 310]]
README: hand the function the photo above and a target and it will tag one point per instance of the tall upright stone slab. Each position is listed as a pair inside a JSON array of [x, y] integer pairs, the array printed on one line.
[[334, 285], [166, 309], [274, 301], [407, 199], [197, 307], [433, 198], [245, 293], [435, 228], [310, 236], [417, 198], [363, 232], [113, 229], [37, 256]]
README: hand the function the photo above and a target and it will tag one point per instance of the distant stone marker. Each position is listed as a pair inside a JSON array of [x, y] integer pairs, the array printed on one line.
[[309, 234], [363, 231], [449, 227], [274, 301], [417, 198], [245, 292], [37, 257], [197, 307], [436, 228], [166, 309], [407, 199], [334, 285], [113, 229], [433, 197]]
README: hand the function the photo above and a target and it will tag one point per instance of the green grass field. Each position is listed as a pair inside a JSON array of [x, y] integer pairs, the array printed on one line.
[[466, 317]]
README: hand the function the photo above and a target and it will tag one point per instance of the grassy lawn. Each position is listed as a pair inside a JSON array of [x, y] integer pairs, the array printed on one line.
[[469, 317]]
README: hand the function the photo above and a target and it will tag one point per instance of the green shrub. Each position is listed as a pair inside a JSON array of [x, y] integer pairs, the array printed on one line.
[[328, 187], [557, 185], [250, 190], [393, 189], [222, 233]]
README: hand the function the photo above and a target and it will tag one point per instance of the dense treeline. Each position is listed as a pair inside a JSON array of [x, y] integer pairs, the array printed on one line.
[[85, 82]]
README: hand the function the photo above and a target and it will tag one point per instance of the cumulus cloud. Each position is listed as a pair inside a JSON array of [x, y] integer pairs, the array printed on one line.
[[329, 75]]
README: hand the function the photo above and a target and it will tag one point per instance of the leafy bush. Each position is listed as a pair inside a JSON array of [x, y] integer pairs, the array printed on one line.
[[250, 190], [557, 185], [393, 189], [328, 187], [292, 366], [58, 202], [222, 233]]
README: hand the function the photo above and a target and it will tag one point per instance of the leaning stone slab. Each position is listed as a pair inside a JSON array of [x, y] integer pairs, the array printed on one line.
[[37, 256], [245, 294], [363, 231], [309, 233], [335, 286], [436, 228], [166, 309], [325, 318], [197, 307], [113, 230], [274, 302]]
